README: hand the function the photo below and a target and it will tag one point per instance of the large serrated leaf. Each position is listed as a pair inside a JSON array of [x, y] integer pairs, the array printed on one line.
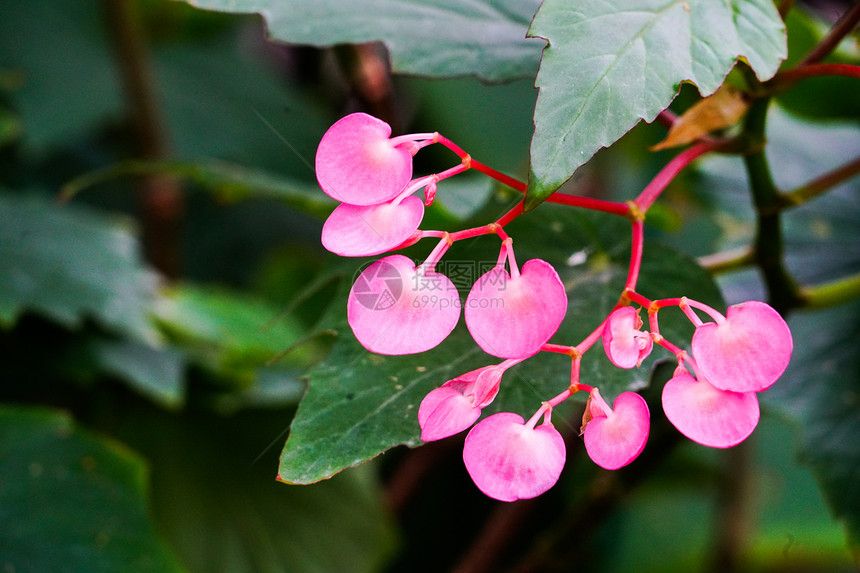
[[610, 64], [484, 38], [71, 501], [70, 264], [360, 404]]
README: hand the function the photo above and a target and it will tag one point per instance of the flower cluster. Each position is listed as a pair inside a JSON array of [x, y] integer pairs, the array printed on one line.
[[711, 399]]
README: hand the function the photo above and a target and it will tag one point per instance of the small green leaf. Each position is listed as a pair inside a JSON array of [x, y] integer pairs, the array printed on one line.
[[610, 64], [227, 332], [72, 501], [157, 373], [426, 37], [11, 127], [465, 196], [70, 264]]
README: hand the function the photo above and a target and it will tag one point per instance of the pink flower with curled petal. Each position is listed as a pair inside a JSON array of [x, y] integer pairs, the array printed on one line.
[[510, 460], [359, 231], [395, 308], [457, 404], [357, 163], [512, 317], [615, 437], [747, 352], [625, 345], [708, 415]]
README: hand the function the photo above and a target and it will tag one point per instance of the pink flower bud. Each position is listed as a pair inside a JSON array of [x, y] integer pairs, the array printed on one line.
[[509, 460], [513, 317], [614, 438], [457, 404], [357, 163], [625, 345], [747, 352]]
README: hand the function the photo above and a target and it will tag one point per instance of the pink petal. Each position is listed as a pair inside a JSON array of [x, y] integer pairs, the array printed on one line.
[[748, 352], [708, 415], [614, 440], [394, 309], [513, 318], [357, 164], [456, 405], [624, 344], [445, 412], [508, 461], [359, 231]]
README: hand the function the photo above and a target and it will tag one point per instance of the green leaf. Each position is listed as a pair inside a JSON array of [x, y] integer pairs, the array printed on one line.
[[72, 501], [426, 37], [229, 333], [70, 264], [157, 373], [217, 502], [610, 64], [11, 127], [819, 392], [219, 94], [360, 404], [465, 197]]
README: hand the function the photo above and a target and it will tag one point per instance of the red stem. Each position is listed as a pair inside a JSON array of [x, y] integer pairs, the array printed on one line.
[[648, 195], [511, 215], [622, 209], [812, 70], [638, 230], [498, 176]]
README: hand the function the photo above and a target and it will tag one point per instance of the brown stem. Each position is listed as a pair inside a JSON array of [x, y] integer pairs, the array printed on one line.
[[728, 260], [501, 526], [733, 515], [820, 184], [412, 470], [160, 200], [841, 29], [368, 72]]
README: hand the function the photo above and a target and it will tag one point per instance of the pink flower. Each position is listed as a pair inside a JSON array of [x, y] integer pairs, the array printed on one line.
[[512, 317], [614, 438], [625, 345], [359, 231], [357, 163], [510, 460], [457, 404], [747, 352], [396, 308], [708, 415]]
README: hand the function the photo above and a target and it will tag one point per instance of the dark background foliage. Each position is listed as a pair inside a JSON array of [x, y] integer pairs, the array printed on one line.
[[159, 327]]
